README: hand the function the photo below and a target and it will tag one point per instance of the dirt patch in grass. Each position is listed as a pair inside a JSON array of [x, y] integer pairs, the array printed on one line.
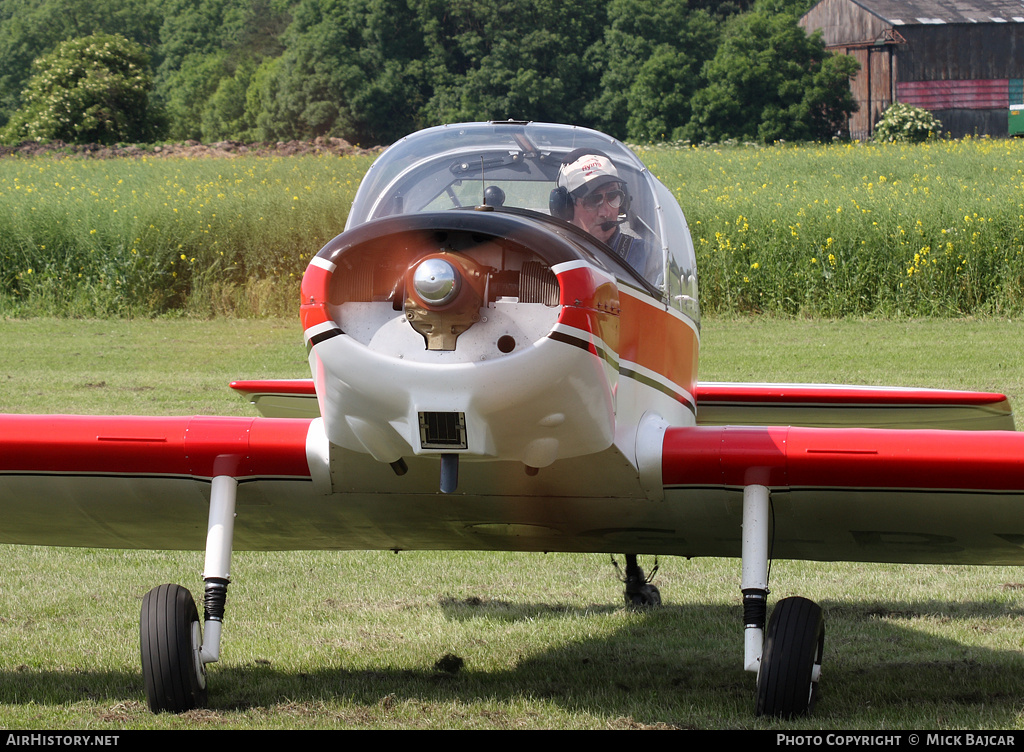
[[191, 149]]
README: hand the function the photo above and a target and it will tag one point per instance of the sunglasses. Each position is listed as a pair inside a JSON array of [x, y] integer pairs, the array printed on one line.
[[594, 200]]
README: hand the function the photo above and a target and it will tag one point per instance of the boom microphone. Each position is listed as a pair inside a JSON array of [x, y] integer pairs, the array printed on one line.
[[609, 224]]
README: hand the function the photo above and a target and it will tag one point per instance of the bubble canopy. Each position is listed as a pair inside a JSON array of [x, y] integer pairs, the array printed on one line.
[[514, 166]]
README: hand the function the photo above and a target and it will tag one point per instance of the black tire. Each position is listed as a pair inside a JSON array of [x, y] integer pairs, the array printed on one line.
[[170, 637], [787, 682], [648, 597]]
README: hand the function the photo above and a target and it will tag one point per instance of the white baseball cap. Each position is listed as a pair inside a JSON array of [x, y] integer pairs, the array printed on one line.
[[586, 173]]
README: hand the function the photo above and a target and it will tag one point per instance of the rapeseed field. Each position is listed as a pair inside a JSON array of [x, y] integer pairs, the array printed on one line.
[[932, 229], [852, 229], [148, 236]]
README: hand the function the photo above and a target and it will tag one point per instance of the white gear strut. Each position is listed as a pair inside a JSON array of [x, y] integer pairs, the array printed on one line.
[[220, 533], [754, 578]]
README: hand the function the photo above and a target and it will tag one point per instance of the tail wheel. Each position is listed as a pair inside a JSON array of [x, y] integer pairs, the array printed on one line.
[[170, 637], [648, 596], [787, 682], [639, 592]]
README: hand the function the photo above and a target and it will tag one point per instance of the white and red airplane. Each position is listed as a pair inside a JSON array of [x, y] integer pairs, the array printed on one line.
[[489, 376]]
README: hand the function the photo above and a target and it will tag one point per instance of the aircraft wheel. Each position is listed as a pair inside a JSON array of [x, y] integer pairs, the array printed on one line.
[[648, 597], [787, 682], [170, 637]]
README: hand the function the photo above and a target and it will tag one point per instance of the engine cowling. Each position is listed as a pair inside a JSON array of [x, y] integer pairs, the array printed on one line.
[[483, 334]]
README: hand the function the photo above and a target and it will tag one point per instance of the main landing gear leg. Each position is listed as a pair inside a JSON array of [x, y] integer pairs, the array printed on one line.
[[787, 658], [174, 654]]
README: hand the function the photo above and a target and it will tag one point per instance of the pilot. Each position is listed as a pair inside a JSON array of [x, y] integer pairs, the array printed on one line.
[[592, 196]]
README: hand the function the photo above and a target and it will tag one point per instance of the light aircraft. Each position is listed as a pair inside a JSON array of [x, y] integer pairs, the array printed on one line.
[[487, 375]]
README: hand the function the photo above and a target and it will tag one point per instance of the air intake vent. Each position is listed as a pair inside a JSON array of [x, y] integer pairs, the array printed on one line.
[[443, 431]]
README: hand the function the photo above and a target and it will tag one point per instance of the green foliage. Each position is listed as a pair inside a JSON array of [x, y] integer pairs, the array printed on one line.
[[793, 7], [210, 49], [904, 122], [224, 115], [769, 81], [32, 28], [92, 89], [521, 59], [372, 71], [187, 91], [349, 69], [651, 55]]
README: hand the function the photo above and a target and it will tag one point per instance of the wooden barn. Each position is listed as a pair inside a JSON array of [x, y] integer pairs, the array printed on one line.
[[961, 59]]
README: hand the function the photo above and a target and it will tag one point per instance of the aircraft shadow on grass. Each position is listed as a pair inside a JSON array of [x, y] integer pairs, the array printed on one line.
[[676, 662]]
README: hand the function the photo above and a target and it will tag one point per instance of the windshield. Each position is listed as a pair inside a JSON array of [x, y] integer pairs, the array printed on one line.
[[516, 165]]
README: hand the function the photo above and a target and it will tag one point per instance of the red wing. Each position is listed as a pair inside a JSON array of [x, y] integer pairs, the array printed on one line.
[[854, 494], [131, 482]]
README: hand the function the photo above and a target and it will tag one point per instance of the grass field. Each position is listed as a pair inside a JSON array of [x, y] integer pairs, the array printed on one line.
[[146, 236], [350, 640], [840, 229], [934, 229]]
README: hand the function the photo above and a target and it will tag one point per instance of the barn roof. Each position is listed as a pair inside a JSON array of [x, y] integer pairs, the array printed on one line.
[[920, 12]]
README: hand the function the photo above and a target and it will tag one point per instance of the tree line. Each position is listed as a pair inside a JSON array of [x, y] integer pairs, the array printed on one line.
[[371, 71]]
